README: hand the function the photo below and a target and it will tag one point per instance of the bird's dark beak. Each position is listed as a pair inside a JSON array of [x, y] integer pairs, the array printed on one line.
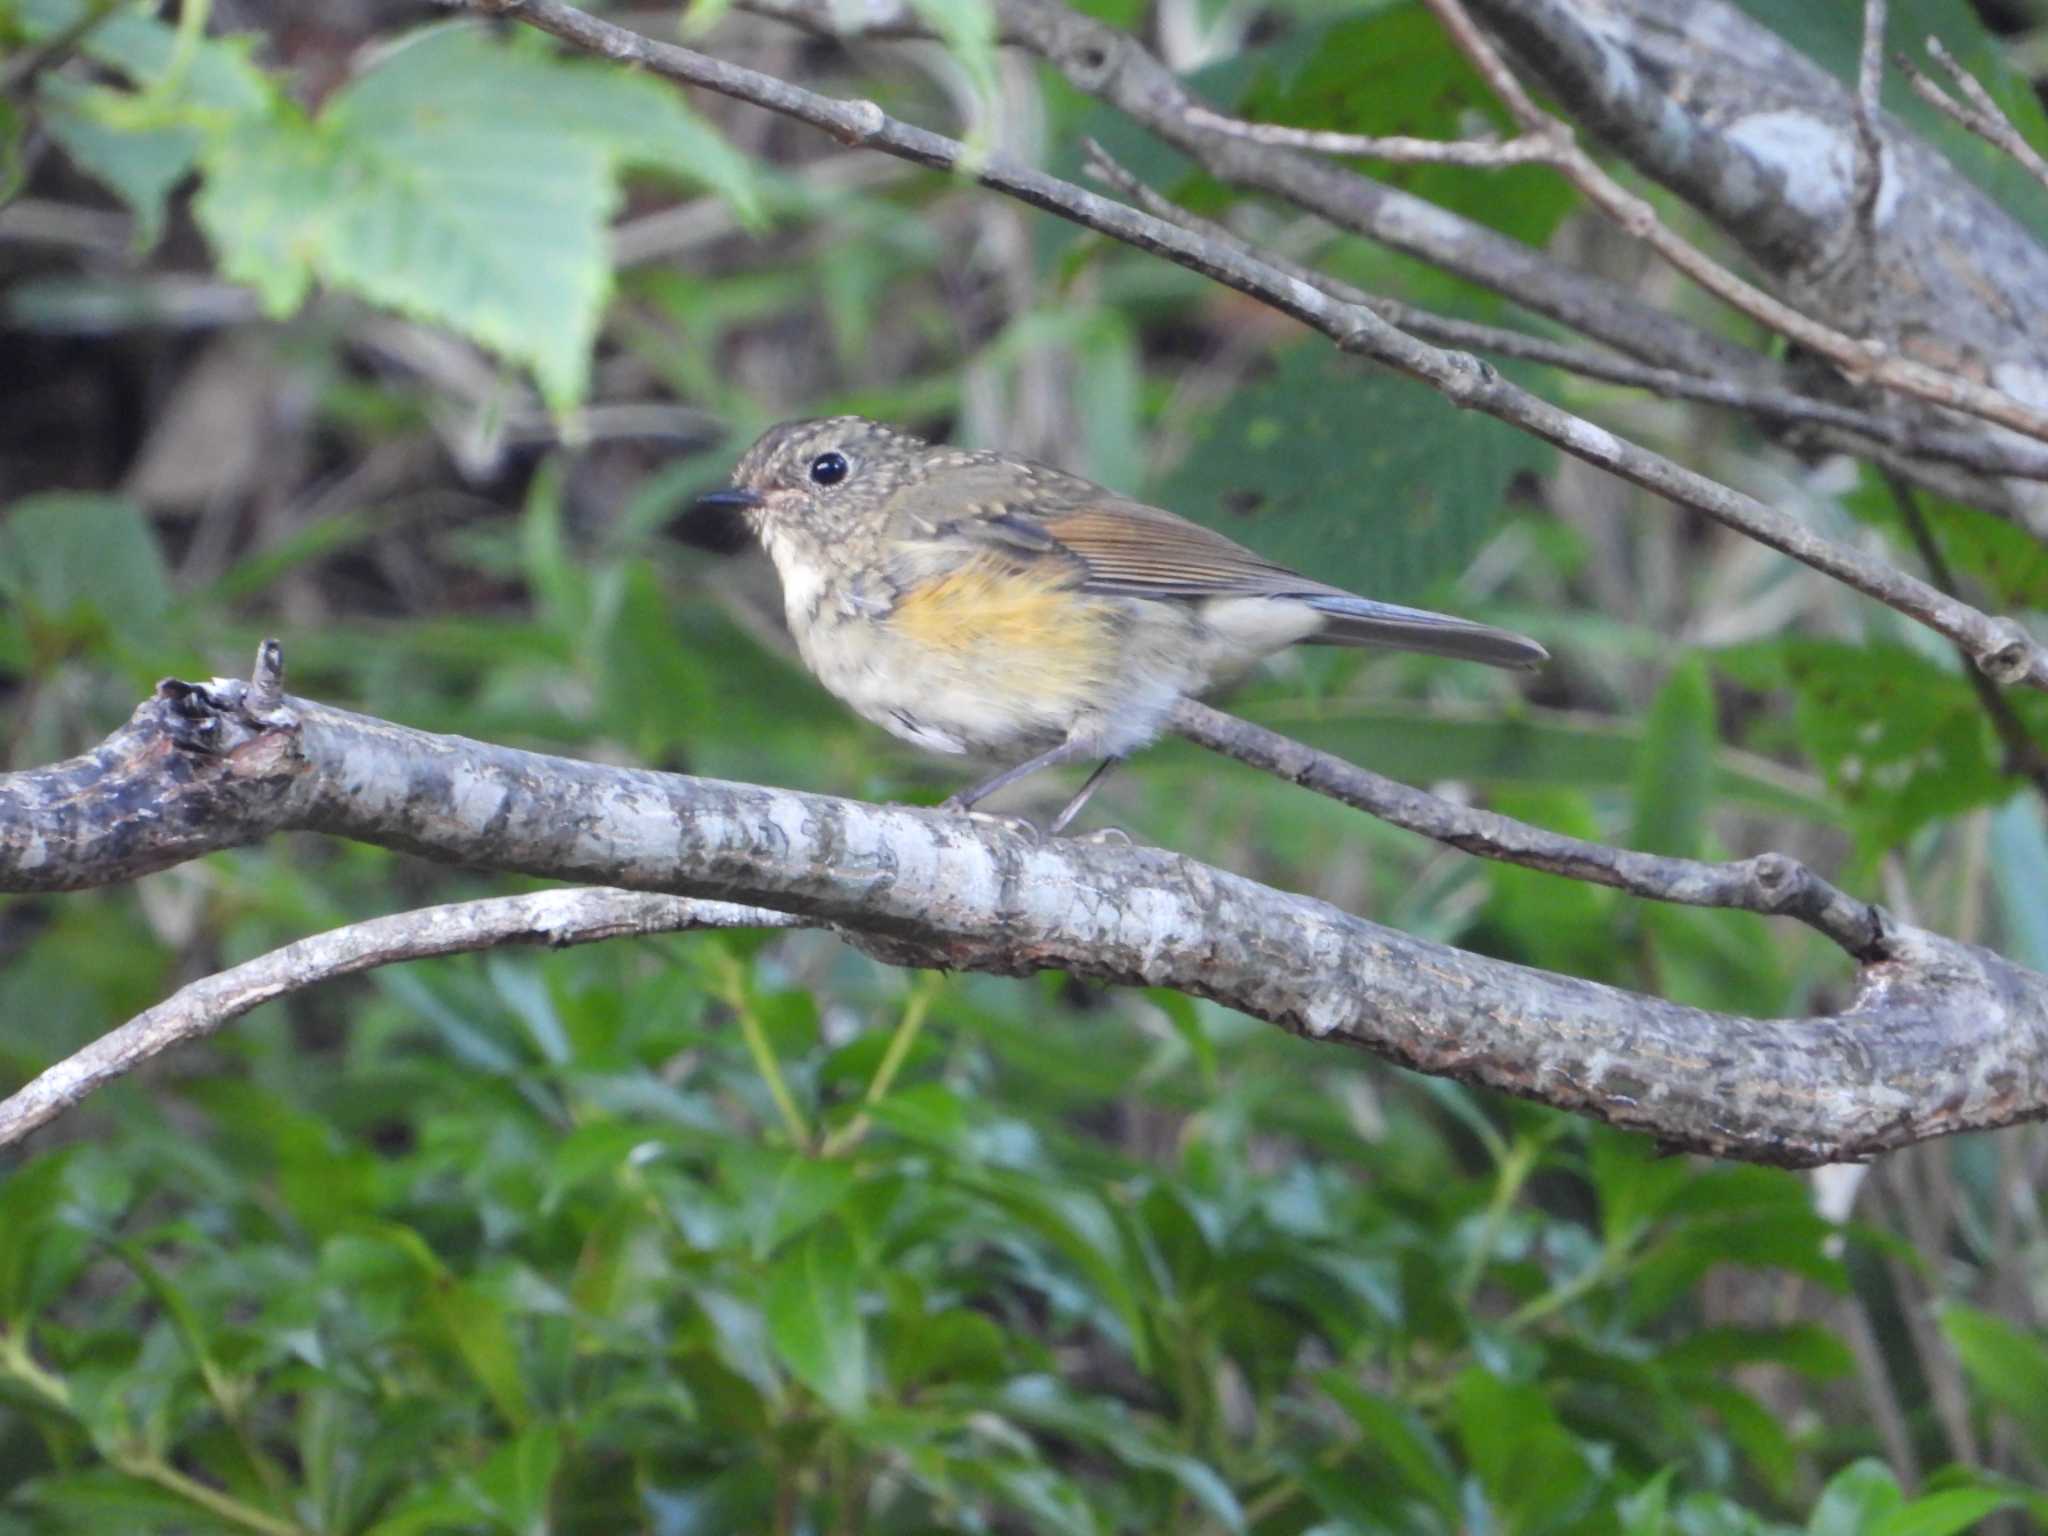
[[717, 521], [730, 499]]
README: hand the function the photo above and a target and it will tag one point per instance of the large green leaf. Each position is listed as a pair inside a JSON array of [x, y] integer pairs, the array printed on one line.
[[1903, 738], [813, 1316], [1947, 1513], [416, 188], [1352, 475]]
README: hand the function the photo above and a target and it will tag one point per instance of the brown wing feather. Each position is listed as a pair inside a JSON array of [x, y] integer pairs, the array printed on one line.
[[1125, 548], [1144, 552]]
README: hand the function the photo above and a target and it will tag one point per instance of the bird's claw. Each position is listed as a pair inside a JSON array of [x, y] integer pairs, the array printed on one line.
[[1019, 824], [1105, 837]]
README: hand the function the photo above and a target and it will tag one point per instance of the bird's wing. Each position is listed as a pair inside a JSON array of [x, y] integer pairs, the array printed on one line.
[[1125, 548]]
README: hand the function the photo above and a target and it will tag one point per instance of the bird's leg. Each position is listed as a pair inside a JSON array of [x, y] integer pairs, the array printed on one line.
[[1073, 809], [966, 799]]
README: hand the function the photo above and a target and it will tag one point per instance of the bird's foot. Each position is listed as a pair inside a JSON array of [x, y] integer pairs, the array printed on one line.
[[1020, 824], [1106, 837]]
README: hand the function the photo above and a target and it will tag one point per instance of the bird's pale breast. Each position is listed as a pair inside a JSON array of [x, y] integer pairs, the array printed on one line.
[[999, 659]]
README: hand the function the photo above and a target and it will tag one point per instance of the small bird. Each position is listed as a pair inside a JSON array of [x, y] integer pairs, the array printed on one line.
[[971, 602]]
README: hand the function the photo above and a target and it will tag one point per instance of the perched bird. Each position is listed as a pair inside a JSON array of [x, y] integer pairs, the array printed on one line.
[[975, 603]]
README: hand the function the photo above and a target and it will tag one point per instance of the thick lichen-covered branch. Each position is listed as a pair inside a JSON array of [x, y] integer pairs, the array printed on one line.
[[1941, 1037]]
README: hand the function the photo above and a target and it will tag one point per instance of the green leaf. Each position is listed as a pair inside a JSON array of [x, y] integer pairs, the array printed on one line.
[[1806, 1348], [1675, 766], [1359, 477], [478, 1325], [13, 167], [519, 1478], [1646, 1511], [947, 1346], [2008, 1364], [30, 1200], [459, 73], [1633, 1180], [813, 1317], [781, 1193], [1855, 1500], [1753, 1429], [140, 165], [1044, 1402], [2003, 557], [76, 561], [1395, 1433], [494, 230], [418, 190], [1947, 1513], [1075, 1223], [1902, 737], [1533, 1472]]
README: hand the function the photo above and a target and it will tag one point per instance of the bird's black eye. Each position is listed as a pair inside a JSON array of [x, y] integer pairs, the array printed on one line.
[[829, 468]]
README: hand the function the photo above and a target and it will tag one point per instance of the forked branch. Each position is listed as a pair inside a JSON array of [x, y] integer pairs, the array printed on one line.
[[1941, 1037]]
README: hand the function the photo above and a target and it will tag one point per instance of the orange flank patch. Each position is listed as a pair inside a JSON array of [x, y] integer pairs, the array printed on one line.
[[1023, 628]]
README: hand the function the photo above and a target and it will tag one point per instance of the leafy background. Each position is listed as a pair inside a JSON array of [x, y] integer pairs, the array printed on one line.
[[306, 333]]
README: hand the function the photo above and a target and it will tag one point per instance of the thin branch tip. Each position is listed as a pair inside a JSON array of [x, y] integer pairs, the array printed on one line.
[[266, 681]]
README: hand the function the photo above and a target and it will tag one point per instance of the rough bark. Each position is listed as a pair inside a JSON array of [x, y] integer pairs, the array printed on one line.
[[1765, 143]]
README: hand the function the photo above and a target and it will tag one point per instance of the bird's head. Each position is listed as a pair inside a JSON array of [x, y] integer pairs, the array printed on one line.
[[819, 478]]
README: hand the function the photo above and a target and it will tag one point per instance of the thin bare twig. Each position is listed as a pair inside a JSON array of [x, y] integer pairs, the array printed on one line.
[[1869, 86], [1863, 360], [1477, 154], [560, 918], [1770, 884], [1978, 112]]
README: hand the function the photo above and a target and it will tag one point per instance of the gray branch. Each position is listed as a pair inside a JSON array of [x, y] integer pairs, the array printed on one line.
[[558, 919], [1940, 1037], [1771, 884]]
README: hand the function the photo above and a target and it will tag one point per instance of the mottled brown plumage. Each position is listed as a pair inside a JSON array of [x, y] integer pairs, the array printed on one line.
[[971, 602]]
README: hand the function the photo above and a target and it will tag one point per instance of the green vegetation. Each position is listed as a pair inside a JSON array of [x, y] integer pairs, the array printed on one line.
[[749, 1233]]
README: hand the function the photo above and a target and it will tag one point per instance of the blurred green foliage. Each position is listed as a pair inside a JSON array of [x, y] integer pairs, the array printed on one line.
[[745, 1233]]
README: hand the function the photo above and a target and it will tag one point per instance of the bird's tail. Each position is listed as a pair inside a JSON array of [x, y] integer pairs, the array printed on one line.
[[1361, 621]]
